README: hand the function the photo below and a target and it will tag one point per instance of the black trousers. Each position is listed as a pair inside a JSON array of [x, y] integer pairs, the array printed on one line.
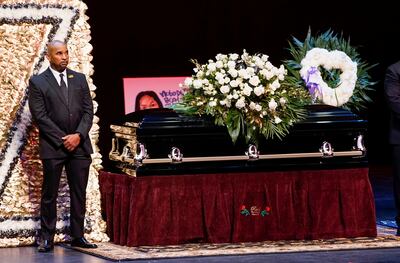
[[77, 170]]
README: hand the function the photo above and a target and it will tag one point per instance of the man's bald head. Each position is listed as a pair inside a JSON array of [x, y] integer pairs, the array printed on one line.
[[57, 54]]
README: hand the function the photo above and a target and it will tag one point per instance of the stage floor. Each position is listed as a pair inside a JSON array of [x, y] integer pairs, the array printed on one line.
[[382, 186]]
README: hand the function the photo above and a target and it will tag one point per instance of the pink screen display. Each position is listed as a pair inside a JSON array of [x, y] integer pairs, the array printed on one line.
[[165, 88]]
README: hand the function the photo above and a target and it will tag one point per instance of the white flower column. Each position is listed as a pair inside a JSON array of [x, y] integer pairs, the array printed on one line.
[[25, 28]]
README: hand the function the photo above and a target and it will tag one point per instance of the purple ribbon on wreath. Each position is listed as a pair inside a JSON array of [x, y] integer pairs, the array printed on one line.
[[313, 87]]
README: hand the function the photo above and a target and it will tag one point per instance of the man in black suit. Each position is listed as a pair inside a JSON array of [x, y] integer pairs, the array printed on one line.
[[392, 92], [61, 105]]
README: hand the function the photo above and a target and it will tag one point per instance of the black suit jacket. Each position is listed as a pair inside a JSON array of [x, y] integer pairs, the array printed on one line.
[[56, 118], [392, 92]]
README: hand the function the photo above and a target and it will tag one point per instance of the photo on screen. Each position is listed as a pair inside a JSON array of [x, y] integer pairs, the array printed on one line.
[[151, 92]]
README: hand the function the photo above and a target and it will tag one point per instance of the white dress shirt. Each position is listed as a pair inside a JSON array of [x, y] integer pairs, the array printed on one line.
[[57, 76]]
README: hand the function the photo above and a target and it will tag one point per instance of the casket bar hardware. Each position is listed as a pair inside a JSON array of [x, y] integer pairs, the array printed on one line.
[[260, 157]]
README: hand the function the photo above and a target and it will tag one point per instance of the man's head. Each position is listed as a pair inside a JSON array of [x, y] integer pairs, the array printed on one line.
[[57, 54]]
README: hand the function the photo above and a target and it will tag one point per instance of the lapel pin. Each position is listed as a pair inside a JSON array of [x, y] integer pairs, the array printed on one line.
[[70, 76]]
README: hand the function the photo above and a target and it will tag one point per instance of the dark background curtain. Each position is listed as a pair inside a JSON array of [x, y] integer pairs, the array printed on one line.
[[158, 38]]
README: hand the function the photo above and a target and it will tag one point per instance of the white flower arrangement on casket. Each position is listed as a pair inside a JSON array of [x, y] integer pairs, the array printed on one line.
[[331, 69], [246, 94]]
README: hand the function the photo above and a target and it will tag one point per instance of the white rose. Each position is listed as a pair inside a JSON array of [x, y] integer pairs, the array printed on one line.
[[282, 70], [233, 56], [240, 103], [219, 56], [197, 84], [224, 89], [272, 104], [219, 76], [277, 120], [211, 67], [252, 105], [243, 74], [233, 72], [259, 63], [188, 82], [231, 64], [254, 81], [219, 64], [234, 83], [250, 71], [275, 85], [247, 90], [235, 96], [264, 58], [269, 74], [282, 101], [268, 65], [212, 103], [258, 107], [227, 80], [259, 90]]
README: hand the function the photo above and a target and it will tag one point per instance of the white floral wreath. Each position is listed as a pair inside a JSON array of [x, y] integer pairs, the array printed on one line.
[[318, 88]]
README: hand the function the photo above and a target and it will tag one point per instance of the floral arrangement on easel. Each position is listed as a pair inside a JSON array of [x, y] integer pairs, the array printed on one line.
[[331, 69]]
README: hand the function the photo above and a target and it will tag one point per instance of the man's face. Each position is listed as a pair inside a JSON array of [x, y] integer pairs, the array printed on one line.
[[148, 102], [58, 57]]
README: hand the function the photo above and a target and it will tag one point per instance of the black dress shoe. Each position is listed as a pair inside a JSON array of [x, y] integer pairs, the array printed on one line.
[[82, 242], [45, 245]]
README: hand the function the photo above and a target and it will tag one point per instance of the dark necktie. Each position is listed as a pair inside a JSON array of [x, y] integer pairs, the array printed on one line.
[[63, 87]]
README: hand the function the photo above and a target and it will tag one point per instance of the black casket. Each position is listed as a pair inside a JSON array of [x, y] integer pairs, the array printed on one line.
[[163, 142]]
